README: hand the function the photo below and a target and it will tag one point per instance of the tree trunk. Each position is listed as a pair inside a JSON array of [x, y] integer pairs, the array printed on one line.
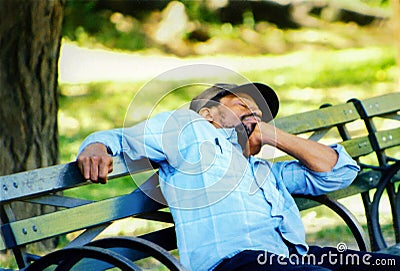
[[30, 38]]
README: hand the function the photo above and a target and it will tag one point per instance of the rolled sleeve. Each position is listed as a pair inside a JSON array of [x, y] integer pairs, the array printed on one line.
[[301, 180], [112, 139], [139, 141], [159, 138]]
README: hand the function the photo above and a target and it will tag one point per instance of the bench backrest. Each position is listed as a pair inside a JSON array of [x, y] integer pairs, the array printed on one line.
[[39, 186], [328, 124]]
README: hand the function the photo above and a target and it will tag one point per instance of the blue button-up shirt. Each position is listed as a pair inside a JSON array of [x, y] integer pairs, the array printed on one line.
[[221, 202]]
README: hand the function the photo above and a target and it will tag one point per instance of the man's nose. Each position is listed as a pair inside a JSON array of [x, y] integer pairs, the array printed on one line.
[[255, 111]]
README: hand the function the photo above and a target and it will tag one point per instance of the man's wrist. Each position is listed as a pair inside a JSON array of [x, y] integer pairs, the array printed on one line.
[[97, 147]]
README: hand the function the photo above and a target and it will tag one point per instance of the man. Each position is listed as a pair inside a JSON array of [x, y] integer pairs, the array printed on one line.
[[232, 211]]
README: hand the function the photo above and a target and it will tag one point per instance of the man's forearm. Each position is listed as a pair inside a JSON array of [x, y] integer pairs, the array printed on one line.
[[315, 156]]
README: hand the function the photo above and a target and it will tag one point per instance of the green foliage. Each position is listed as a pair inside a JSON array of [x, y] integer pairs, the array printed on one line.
[[89, 26], [198, 11], [80, 13], [378, 3], [322, 69], [85, 108]]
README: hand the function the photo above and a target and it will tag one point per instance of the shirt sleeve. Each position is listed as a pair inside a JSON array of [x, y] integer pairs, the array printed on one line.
[[301, 180], [159, 138], [112, 139]]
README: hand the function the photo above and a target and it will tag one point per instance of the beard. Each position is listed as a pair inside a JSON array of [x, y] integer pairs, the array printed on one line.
[[244, 131]]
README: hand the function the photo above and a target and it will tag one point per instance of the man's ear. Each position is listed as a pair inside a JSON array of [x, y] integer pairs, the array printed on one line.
[[205, 112]]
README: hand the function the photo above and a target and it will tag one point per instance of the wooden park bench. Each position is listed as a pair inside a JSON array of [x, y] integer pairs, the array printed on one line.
[[356, 124]]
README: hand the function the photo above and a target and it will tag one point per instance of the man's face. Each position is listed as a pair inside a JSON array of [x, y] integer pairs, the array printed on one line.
[[239, 111], [234, 110]]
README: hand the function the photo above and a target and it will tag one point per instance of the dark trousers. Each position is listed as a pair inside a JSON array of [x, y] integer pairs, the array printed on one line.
[[318, 258]]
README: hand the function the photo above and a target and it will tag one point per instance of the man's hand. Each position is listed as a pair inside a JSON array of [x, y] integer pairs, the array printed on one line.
[[264, 133], [95, 163]]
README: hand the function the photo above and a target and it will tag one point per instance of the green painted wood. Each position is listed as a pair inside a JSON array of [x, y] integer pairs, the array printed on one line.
[[388, 138], [56, 178], [318, 119], [81, 217], [59, 201], [365, 181], [382, 104], [357, 147]]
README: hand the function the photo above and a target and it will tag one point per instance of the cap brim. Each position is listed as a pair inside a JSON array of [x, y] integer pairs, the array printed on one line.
[[264, 96]]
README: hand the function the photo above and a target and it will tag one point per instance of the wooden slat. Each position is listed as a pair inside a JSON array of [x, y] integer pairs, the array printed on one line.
[[318, 119], [364, 182], [59, 201], [382, 104], [53, 224], [56, 178], [357, 147], [388, 138]]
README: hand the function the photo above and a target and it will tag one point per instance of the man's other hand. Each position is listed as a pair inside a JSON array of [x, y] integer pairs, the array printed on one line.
[[95, 163]]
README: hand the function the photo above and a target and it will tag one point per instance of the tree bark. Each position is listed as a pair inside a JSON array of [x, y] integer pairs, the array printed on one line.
[[30, 38]]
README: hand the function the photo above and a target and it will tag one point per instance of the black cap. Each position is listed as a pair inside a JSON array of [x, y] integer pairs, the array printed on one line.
[[264, 96]]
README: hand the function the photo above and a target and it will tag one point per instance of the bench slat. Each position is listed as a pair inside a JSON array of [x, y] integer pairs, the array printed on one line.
[[318, 119], [38, 228], [59, 201], [60, 177], [357, 147], [382, 104], [363, 182], [389, 138]]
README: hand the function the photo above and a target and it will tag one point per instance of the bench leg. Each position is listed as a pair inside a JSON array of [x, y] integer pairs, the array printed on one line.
[[385, 183]]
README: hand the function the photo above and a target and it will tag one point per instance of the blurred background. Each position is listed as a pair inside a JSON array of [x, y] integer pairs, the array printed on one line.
[[310, 51]]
